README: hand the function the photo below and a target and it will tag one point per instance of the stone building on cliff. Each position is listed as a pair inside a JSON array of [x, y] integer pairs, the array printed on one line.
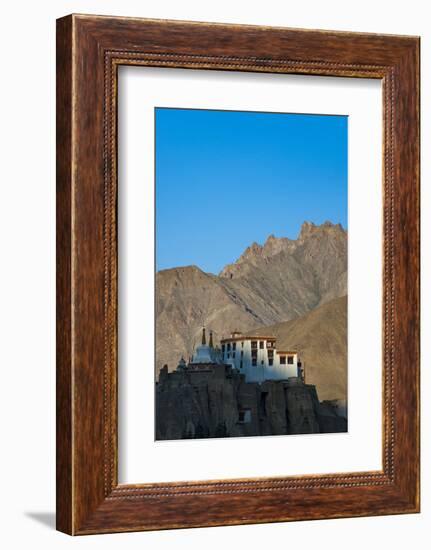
[[258, 359], [214, 396]]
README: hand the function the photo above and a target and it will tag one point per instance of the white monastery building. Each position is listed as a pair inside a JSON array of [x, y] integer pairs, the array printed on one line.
[[258, 358], [254, 356]]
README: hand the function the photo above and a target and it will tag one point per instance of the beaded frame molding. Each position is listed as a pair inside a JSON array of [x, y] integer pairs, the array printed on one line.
[[89, 51]]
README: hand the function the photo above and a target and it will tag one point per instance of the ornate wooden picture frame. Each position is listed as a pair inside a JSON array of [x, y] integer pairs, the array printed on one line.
[[89, 51]]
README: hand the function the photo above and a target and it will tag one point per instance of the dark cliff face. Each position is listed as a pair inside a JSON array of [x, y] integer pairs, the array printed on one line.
[[217, 402]]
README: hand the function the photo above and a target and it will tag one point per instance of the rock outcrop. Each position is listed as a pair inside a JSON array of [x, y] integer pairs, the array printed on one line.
[[217, 402]]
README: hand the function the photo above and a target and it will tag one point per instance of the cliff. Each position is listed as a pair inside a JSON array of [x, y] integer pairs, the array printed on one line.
[[217, 402]]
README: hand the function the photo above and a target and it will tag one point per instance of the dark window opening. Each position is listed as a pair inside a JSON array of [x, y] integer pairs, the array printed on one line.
[[234, 346], [244, 416], [254, 345], [290, 360], [262, 403], [282, 359], [261, 344]]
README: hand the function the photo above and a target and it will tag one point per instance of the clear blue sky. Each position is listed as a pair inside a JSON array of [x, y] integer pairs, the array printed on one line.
[[225, 179]]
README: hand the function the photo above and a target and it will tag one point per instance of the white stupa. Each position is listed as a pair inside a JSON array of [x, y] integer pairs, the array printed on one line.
[[205, 353]]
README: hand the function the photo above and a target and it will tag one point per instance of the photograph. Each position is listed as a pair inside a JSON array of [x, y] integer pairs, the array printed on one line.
[[251, 273]]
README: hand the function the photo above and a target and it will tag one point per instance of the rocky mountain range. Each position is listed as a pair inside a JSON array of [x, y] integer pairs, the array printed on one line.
[[279, 281]]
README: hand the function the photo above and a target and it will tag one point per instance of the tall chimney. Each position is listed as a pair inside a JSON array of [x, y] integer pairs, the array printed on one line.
[[204, 340]]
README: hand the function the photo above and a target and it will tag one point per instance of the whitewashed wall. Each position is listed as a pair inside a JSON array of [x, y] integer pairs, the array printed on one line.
[[262, 370]]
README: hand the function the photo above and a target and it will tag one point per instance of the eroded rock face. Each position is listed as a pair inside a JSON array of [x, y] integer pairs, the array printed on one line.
[[217, 402]]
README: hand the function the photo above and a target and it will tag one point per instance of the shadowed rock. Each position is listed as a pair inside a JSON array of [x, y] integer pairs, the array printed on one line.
[[217, 402]]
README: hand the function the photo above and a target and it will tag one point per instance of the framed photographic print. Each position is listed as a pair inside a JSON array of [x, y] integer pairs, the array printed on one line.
[[237, 274]]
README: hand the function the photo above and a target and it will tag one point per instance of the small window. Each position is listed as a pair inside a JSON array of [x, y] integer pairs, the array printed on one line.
[[223, 347], [254, 361], [234, 346], [242, 354], [290, 360], [262, 362], [261, 344], [270, 362], [253, 344], [233, 354], [270, 353], [282, 359], [240, 365], [228, 347], [242, 344], [244, 416], [262, 403]]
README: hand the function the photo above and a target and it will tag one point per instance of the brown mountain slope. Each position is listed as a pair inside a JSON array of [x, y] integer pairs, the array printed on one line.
[[269, 283], [186, 299], [321, 339]]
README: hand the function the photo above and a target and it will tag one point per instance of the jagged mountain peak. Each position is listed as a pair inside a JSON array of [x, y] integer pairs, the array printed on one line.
[[309, 229], [254, 248], [272, 245], [275, 245]]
